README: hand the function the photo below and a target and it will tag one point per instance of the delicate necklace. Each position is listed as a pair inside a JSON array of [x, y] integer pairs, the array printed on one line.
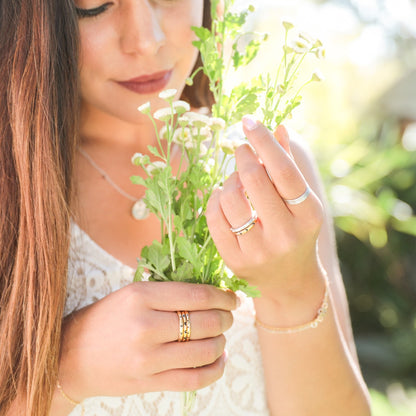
[[139, 210]]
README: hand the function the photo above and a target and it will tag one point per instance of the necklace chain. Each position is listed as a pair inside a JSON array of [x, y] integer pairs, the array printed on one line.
[[139, 210], [104, 174]]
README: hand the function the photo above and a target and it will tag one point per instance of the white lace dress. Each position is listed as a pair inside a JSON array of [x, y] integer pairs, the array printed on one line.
[[94, 273]]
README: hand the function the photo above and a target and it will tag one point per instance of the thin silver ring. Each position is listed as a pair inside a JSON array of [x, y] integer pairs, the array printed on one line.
[[299, 199], [247, 226]]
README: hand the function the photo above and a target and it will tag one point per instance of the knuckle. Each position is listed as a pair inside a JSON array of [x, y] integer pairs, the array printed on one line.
[[139, 365], [230, 196], [287, 171], [315, 216], [201, 295], [253, 175], [142, 331], [209, 352], [134, 294]]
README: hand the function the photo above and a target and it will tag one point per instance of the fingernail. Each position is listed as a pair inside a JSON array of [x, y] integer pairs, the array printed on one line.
[[225, 356], [250, 122], [238, 302]]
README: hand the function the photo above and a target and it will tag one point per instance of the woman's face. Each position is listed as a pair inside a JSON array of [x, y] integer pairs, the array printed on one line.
[[133, 49]]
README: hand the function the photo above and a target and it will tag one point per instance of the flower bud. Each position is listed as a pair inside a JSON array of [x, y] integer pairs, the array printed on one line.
[[287, 25]]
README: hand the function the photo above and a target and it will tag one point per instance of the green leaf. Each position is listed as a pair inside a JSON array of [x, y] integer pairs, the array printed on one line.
[[189, 252], [138, 180], [154, 151], [184, 273], [234, 283], [202, 33], [138, 275], [157, 256]]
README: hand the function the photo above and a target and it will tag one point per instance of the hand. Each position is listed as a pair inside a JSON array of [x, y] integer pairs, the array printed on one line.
[[279, 253], [126, 343]]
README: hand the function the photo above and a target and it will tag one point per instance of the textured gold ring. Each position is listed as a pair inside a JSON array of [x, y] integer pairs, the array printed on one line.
[[184, 326]]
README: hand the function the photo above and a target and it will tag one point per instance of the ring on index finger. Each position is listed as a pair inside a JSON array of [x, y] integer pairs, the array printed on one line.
[[300, 198]]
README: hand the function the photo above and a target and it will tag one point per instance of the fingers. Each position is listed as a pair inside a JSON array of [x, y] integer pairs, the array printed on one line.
[[179, 296], [175, 355], [219, 228], [188, 379], [261, 191], [282, 136], [163, 327], [283, 171]]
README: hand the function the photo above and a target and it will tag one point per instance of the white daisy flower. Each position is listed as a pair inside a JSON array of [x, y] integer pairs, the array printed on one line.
[[168, 95], [181, 106], [181, 136], [217, 123], [144, 108], [183, 121], [137, 159], [203, 132], [203, 150], [320, 53], [227, 146], [155, 166], [197, 120], [163, 133], [163, 114], [300, 46], [190, 144]]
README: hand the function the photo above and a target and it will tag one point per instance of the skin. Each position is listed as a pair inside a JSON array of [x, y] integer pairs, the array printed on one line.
[[136, 37]]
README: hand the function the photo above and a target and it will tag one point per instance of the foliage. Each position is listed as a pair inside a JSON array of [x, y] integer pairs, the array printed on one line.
[[370, 183]]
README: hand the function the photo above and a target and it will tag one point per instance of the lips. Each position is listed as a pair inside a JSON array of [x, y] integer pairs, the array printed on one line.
[[148, 84]]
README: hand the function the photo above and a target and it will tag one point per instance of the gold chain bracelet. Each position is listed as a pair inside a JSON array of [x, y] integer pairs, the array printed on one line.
[[323, 309]]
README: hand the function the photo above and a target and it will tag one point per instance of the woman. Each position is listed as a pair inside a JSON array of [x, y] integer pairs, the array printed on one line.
[[72, 76]]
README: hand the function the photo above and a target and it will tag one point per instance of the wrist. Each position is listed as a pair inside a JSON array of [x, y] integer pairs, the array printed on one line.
[[294, 305]]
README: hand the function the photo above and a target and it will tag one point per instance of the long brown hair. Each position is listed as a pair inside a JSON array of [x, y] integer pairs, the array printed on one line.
[[38, 119], [39, 96]]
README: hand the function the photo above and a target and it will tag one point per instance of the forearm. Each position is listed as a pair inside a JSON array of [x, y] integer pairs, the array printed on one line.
[[310, 372]]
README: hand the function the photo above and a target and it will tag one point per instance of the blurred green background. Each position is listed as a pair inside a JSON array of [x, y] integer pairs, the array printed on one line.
[[361, 124]]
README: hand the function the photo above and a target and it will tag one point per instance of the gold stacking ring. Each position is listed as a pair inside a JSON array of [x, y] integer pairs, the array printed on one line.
[[184, 326]]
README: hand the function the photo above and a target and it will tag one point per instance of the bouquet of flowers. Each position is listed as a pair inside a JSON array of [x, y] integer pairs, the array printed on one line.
[[185, 251]]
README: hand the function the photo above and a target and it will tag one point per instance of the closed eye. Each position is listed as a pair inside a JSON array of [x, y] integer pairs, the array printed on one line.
[[83, 13]]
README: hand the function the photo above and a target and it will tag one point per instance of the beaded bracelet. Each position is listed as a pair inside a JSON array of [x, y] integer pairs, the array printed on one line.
[[323, 309]]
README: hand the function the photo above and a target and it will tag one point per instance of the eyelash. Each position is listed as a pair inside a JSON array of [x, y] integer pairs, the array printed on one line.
[[85, 13]]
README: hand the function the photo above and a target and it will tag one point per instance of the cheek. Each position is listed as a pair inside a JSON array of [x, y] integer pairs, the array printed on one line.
[[190, 13], [94, 44]]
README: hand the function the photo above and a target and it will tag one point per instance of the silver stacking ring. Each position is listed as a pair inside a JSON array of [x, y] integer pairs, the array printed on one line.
[[247, 226], [299, 199]]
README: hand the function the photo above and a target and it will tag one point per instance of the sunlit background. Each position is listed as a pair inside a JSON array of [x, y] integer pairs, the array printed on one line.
[[361, 124]]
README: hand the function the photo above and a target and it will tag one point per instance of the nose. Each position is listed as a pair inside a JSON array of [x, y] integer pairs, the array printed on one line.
[[141, 32]]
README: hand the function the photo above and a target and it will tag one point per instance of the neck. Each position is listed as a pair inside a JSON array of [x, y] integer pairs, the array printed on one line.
[[103, 131]]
